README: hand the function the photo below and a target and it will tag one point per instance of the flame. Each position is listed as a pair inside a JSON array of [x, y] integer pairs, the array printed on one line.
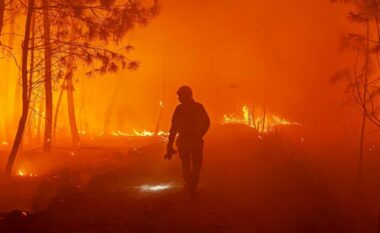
[[259, 120], [155, 188], [22, 173], [82, 132], [138, 133], [145, 133]]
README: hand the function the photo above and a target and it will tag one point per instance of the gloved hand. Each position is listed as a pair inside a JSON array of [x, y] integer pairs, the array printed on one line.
[[169, 152]]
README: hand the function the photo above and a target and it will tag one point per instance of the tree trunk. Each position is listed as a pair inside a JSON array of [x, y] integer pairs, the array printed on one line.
[[364, 103], [70, 97], [2, 105], [48, 78], [40, 115], [30, 91], [25, 103], [63, 86], [263, 126], [2, 10], [362, 141], [71, 106]]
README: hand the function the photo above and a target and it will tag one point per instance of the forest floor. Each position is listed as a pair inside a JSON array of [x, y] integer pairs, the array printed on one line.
[[247, 185]]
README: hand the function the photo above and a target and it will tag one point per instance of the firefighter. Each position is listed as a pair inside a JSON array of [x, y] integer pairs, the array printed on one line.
[[191, 122]]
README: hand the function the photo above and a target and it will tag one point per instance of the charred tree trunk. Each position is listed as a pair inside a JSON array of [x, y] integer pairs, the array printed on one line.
[[63, 87], [263, 126], [30, 91], [362, 141], [2, 120], [71, 106], [48, 78], [70, 97], [364, 103], [2, 10], [39, 122], [25, 103]]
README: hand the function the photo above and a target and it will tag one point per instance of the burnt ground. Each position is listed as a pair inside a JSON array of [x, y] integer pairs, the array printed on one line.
[[278, 184]]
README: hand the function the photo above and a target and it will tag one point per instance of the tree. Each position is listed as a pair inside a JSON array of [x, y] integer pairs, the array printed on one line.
[[70, 101], [58, 47], [25, 100], [2, 11], [363, 83], [91, 21], [48, 77]]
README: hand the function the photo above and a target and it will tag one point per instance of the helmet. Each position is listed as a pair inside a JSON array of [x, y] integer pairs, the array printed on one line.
[[185, 91]]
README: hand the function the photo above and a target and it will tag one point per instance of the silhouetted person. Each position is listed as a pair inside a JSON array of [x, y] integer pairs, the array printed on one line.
[[191, 122]]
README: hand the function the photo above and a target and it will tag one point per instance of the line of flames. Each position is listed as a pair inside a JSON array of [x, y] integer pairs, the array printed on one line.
[[259, 120], [138, 133], [133, 133]]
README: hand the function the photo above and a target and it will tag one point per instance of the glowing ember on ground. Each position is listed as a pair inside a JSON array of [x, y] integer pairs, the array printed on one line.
[[155, 188], [25, 174], [258, 119]]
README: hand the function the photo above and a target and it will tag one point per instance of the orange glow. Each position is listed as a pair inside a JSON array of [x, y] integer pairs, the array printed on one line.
[[97, 135], [177, 33]]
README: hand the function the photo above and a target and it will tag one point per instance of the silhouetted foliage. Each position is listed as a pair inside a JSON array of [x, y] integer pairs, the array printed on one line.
[[363, 82], [69, 33]]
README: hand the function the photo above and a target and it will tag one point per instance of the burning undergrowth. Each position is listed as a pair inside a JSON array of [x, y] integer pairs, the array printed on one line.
[[258, 119]]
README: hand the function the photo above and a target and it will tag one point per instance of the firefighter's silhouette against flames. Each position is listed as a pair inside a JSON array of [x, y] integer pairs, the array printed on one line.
[[191, 122]]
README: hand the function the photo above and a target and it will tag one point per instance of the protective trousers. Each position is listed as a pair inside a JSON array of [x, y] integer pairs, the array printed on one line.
[[191, 155]]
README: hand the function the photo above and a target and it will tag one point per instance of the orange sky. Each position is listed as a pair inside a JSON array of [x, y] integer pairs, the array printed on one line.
[[278, 53]]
